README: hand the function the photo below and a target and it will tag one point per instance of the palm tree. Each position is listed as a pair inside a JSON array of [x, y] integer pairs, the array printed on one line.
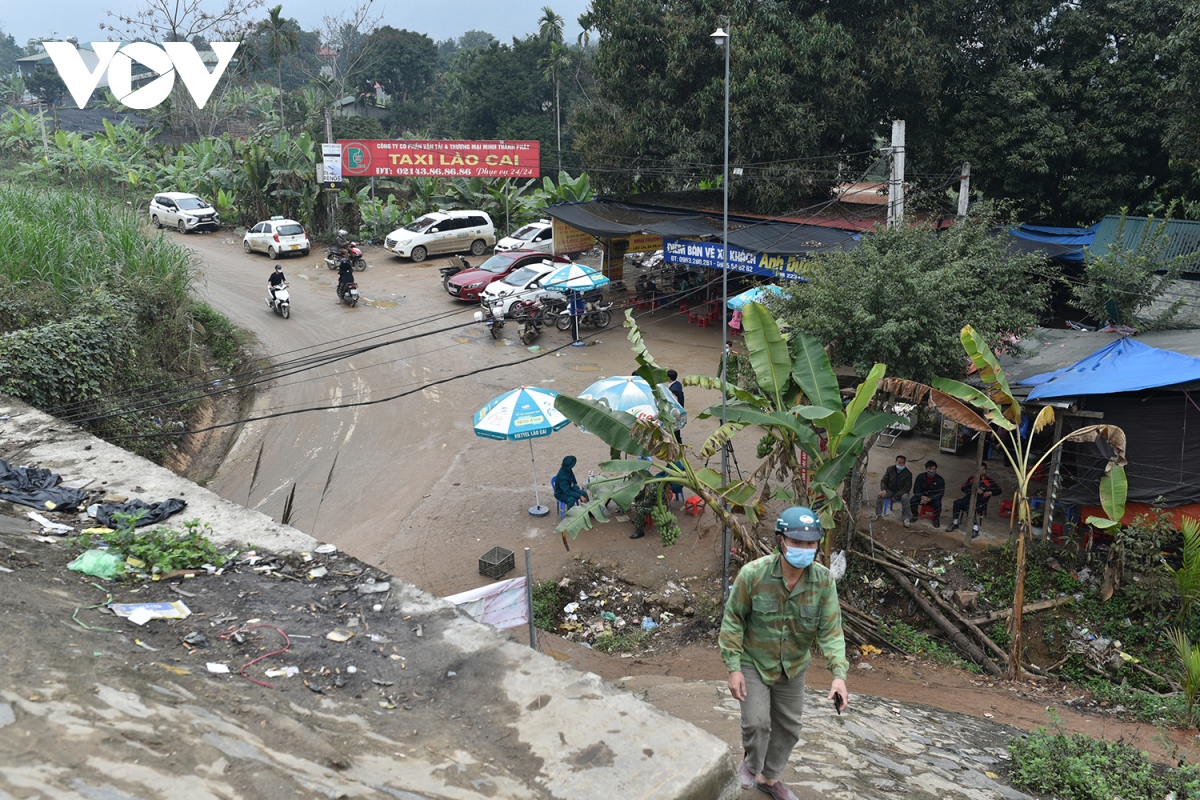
[[281, 40], [558, 59], [550, 25]]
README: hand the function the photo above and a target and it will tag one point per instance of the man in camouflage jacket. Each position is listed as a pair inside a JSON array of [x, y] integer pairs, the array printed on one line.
[[778, 607]]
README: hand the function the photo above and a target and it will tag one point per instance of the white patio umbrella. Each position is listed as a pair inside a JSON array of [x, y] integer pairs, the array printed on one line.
[[524, 413], [575, 278], [634, 395]]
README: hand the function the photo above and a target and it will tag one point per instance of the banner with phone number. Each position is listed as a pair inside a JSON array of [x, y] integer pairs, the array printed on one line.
[[367, 158]]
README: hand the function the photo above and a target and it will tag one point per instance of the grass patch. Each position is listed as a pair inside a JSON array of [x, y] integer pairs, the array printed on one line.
[[548, 600], [163, 549], [623, 642], [1077, 767], [911, 641]]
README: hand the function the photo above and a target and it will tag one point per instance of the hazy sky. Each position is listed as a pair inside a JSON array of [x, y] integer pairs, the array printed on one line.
[[442, 19]]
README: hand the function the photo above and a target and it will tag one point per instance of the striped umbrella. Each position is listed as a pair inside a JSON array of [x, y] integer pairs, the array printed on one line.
[[575, 278], [524, 413], [634, 395]]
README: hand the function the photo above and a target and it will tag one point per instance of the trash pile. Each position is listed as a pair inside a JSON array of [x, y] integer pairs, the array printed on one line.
[[603, 606]]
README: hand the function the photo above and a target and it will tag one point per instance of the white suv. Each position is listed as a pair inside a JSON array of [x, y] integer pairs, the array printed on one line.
[[523, 284], [534, 236], [184, 212], [443, 232]]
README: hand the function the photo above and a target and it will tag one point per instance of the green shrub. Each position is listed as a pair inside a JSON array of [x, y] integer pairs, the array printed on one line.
[[162, 548], [548, 600]]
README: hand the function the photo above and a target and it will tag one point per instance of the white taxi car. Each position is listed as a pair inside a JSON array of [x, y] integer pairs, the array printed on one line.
[[523, 284], [277, 236], [534, 236]]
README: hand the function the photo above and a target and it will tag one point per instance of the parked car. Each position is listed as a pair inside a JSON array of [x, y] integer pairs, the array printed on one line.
[[443, 232], [534, 236], [523, 284], [470, 283], [184, 212], [275, 237]]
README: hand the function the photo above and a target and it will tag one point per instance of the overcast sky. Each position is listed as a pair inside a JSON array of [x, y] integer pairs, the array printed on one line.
[[439, 20]]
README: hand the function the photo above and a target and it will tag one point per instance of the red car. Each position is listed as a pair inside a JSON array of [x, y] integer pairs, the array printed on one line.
[[470, 283]]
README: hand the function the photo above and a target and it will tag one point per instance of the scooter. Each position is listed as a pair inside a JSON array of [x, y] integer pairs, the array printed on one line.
[[598, 314], [280, 302], [457, 265], [528, 316], [491, 316], [348, 293], [333, 257]]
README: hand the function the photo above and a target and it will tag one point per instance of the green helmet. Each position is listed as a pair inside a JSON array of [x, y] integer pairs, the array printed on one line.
[[799, 523]]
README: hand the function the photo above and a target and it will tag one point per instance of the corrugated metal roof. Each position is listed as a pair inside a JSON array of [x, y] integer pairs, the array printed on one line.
[[1183, 237]]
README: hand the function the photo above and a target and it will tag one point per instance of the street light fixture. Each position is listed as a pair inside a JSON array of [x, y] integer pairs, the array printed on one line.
[[721, 38]]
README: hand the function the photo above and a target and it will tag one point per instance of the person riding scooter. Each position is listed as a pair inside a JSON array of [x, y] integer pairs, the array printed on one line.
[[342, 243], [345, 276], [276, 280]]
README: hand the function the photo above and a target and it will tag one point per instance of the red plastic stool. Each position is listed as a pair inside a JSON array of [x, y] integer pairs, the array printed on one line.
[[1006, 508], [683, 308], [927, 512], [702, 322], [694, 506]]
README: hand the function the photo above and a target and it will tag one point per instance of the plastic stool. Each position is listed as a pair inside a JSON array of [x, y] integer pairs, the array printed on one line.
[[702, 322], [927, 512], [562, 507], [1006, 508], [694, 506], [683, 308], [887, 506]]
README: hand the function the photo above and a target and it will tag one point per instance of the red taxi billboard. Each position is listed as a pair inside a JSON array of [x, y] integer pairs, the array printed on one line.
[[365, 158]]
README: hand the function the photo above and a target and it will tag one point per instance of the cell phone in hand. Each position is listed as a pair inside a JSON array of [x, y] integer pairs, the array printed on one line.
[[838, 703]]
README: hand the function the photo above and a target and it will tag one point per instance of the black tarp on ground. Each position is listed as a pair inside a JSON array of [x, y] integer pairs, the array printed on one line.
[[606, 219], [154, 512], [36, 487], [1163, 448]]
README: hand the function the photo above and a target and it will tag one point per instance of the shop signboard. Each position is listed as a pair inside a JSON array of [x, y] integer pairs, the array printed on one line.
[[569, 240], [440, 159], [330, 169], [711, 255]]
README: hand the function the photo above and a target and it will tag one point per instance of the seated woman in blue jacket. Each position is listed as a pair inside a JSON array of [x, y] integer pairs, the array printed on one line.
[[566, 488]]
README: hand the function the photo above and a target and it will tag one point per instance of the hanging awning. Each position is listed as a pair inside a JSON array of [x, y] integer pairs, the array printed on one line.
[[1125, 365]]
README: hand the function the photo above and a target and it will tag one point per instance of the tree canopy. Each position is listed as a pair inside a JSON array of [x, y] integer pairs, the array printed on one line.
[[902, 296]]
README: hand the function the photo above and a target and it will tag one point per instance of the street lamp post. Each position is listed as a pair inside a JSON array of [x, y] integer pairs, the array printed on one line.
[[721, 38]]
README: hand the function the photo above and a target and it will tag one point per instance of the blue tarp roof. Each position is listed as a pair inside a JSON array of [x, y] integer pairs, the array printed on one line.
[[1062, 244], [1125, 365]]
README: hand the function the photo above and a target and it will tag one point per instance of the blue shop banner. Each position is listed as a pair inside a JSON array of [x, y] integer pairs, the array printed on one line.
[[710, 255]]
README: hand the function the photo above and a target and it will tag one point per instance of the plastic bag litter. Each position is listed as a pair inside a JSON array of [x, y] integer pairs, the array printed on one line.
[[99, 564], [837, 565]]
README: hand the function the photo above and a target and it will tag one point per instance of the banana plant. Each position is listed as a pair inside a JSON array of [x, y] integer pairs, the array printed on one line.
[[995, 406]]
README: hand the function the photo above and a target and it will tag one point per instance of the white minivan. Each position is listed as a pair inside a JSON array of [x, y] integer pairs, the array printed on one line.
[[184, 212], [443, 232]]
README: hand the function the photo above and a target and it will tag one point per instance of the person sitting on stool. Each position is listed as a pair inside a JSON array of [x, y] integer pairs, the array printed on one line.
[[895, 485], [928, 490], [987, 488], [566, 488]]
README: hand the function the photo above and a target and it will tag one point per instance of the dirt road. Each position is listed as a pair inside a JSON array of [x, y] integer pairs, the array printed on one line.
[[405, 483]]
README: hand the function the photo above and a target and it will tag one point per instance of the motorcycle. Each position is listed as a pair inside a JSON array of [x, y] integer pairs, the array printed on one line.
[[280, 302], [348, 293], [528, 316], [490, 314], [453, 269], [596, 313], [554, 309], [333, 257]]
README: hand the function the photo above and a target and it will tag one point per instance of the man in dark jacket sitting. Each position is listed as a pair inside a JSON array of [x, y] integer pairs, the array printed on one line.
[[928, 490], [896, 485], [988, 488]]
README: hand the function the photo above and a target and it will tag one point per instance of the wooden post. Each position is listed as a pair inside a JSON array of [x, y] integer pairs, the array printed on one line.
[[970, 529], [1052, 478], [964, 188]]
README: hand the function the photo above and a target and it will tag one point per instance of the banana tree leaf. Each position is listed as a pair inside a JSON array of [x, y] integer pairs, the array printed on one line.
[[981, 402], [1045, 417], [812, 371], [873, 423], [580, 518], [864, 394], [713, 444], [835, 470], [1112, 433], [812, 412], [990, 373], [1114, 490], [623, 465], [705, 382], [774, 419], [710, 478], [614, 428], [961, 413], [768, 350]]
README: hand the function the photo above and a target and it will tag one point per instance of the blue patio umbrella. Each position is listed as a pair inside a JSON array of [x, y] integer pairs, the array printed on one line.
[[634, 395], [575, 278], [754, 295], [524, 413]]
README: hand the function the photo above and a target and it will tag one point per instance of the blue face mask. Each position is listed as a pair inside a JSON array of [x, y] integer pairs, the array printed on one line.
[[899, 468], [799, 557]]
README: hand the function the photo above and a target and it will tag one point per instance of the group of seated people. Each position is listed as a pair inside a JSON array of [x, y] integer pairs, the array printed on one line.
[[928, 489]]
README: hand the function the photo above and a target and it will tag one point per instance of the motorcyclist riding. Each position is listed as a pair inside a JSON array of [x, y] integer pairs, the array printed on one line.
[[345, 276], [276, 280], [342, 242]]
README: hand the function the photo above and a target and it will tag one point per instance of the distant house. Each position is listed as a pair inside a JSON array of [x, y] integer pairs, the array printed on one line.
[[1183, 239]]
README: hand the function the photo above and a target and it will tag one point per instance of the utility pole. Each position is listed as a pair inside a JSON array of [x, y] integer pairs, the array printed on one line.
[[333, 223], [896, 182], [964, 188]]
